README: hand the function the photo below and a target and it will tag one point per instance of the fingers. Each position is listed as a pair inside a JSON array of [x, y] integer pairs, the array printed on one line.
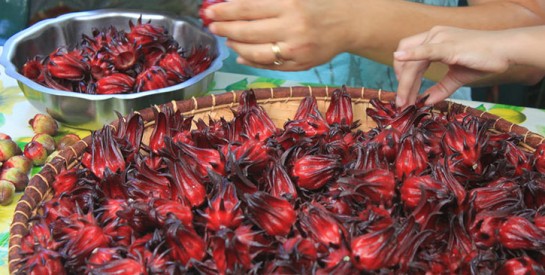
[[262, 54], [243, 10], [410, 78], [254, 32], [443, 89], [431, 52], [287, 65]]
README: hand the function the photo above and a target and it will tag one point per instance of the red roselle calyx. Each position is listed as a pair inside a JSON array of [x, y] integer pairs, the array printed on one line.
[[415, 189], [497, 195], [521, 265], [314, 171], [377, 185], [520, 233], [388, 139], [274, 215], [252, 119], [81, 235], [202, 160], [517, 158], [161, 210], [484, 230], [143, 34], [176, 66], [307, 120], [224, 208], [466, 141], [184, 242], [303, 249], [44, 261], [279, 182], [116, 83], [412, 158], [33, 69], [151, 79], [371, 251], [104, 154], [68, 65], [186, 183], [126, 266], [321, 225], [205, 4], [539, 158], [122, 52], [340, 108], [101, 256]]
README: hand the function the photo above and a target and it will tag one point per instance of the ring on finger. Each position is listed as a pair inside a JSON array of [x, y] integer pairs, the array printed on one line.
[[277, 55]]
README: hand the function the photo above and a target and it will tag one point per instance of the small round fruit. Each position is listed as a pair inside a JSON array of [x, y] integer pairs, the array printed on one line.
[[67, 140], [8, 149], [19, 162], [4, 136], [36, 152], [46, 140], [15, 176], [44, 124], [7, 192]]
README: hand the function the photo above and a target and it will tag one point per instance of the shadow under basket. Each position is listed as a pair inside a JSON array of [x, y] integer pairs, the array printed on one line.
[[279, 103]]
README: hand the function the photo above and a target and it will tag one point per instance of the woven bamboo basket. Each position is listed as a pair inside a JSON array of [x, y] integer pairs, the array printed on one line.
[[279, 103]]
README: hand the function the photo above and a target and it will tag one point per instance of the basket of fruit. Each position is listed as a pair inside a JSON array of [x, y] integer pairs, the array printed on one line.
[[289, 181]]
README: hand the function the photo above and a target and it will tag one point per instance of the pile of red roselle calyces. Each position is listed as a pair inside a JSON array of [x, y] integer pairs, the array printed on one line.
[[114, 62], [421, 193]]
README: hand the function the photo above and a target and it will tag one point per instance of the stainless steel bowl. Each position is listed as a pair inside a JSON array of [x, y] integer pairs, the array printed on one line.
[[93, 111]]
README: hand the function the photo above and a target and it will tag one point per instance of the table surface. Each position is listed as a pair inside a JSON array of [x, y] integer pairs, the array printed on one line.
[[15, 111]]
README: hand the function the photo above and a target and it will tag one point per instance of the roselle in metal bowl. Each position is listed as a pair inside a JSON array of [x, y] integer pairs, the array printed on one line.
[[290, 181], [90, 107]]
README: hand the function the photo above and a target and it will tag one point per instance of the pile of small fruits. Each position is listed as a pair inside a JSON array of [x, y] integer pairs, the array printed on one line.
[[16, 163]]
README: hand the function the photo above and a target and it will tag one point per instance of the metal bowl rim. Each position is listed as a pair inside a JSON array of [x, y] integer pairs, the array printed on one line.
[[12, 42]]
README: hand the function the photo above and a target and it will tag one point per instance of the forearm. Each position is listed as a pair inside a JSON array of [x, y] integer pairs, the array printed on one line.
[[383, 23], [526, 46]]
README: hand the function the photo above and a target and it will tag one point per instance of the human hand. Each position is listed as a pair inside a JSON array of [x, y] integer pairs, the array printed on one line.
[[470, 54], [307, 33]]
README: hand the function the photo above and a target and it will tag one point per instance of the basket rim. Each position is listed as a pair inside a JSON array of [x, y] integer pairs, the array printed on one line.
[[39, 185]]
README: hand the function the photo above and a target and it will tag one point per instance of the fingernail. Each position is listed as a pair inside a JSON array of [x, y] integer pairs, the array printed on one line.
[[400, 54], [209, 13], [399, 101]]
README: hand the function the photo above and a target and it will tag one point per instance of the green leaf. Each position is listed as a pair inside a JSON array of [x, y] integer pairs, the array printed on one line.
[[509, 107], [239, 85], [511, 115], [2, 119], [481, 108], [4, 239], [35, 170], [275, 81]]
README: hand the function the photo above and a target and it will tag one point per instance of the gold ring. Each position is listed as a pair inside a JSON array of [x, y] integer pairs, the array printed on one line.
[[276, 50]]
